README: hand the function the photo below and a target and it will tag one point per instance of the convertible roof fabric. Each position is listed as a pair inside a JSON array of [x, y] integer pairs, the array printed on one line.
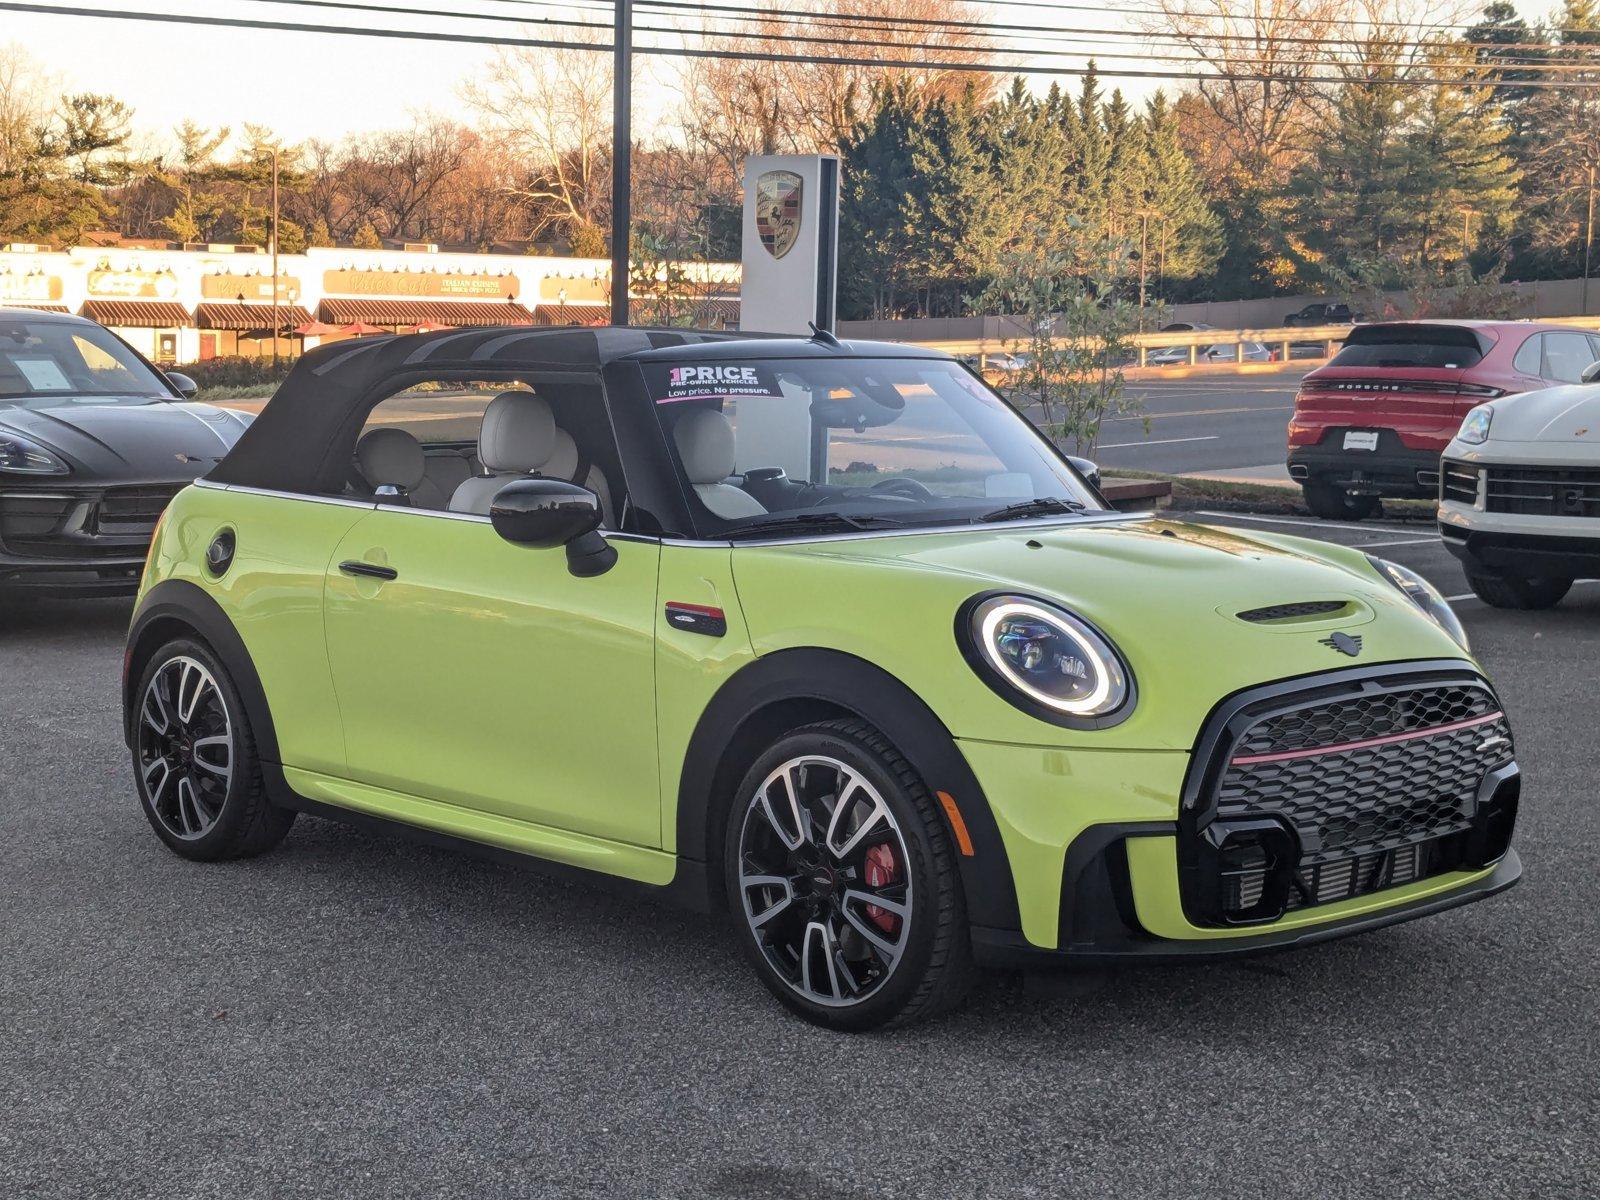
[[297, 444]]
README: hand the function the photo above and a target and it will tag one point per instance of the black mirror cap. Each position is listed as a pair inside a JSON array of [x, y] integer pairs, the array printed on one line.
[[183, 385], [544, 512], [1591, 373], [1089, 470]]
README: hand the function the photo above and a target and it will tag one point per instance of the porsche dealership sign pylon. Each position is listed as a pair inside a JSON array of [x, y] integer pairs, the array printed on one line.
[[791, 239]]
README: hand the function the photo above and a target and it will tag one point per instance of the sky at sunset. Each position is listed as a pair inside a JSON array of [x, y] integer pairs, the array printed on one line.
[[309, 85]]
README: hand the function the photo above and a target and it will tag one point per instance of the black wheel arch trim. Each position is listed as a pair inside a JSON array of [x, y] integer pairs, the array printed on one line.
[[187, 604], [841, 681]]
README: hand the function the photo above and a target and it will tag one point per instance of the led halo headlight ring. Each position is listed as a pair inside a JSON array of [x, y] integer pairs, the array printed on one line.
[[1046, 661]]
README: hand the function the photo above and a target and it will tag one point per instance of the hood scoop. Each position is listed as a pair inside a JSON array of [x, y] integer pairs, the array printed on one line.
[[1301, 611]]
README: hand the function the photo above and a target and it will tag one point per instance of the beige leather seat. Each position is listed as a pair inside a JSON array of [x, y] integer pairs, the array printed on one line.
[[516, 440], [709, 453], [392, 463]]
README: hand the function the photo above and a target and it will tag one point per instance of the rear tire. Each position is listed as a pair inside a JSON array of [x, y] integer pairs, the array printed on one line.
[[1333, 503], [799, 890], [194, 759], [1504, 591]]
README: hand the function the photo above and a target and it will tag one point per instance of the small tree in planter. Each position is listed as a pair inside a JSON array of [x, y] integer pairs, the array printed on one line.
[[1073, 332]]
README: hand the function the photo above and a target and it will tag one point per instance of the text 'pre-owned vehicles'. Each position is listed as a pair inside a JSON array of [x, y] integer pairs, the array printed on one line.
[[1519, 497], [1373, 422], [824, 633], [94, 441]]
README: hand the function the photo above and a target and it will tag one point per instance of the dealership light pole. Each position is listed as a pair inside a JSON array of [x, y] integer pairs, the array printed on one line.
[[621, 159], [1588, 242], [276, 322]]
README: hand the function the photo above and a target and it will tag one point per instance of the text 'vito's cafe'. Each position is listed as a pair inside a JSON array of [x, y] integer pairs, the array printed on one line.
[[189, 305]]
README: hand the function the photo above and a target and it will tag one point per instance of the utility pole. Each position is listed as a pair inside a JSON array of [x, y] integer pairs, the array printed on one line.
[[277, 325], [1588, 241], [621, 158], [1144, 249]]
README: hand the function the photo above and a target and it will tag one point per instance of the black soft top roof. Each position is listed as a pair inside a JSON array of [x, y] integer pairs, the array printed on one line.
[[297, 443]]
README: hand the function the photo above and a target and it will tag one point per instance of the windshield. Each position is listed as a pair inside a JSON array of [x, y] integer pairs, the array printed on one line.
[[50, 363], [834, 444]]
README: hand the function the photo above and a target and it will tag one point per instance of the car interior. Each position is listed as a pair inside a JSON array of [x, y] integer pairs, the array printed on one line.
[[450, 446]]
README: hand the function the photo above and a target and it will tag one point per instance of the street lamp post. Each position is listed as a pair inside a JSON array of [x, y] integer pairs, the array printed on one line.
[[1588, 241], [276, 322], [621, 158]]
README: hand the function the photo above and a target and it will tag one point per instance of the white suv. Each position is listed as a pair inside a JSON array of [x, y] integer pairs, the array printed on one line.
[[1519, 494]]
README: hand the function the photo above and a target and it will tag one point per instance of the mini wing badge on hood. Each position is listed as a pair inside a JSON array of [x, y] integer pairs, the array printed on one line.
[[1344, 643]]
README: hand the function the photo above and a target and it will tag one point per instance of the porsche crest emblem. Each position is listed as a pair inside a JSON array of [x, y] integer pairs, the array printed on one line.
[[778, 211]]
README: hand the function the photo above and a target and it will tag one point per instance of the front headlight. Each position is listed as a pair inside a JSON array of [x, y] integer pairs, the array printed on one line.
[[1426, 597], [1475, 428], [1046, 661], [20, 456]]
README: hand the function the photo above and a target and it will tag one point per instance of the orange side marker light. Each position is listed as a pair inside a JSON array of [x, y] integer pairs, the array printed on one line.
[[963, 838]]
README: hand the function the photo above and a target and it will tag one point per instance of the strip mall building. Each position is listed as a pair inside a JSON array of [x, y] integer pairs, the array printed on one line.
[[179, 306]]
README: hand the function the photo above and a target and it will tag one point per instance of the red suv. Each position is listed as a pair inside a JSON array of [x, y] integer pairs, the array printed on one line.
[[1373, 421]]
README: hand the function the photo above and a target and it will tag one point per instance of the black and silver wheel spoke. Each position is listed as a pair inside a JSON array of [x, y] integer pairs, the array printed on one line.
[[185, 745], [824, 880]]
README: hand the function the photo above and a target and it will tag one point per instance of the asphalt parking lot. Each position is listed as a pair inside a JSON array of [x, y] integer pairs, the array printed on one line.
[[357, 1016]]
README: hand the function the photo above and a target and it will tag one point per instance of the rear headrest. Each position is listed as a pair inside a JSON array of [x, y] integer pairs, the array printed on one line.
[[563, 460], [518, 433], [390, 457], [706, 445]]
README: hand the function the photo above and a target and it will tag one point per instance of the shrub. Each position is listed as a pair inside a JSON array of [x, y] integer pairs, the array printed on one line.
[[237, 372]]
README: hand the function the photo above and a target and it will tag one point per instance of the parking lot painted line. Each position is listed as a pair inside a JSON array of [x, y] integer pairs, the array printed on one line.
[[1374, 529], [1201, 412], [1427, 541], [1210, 437]]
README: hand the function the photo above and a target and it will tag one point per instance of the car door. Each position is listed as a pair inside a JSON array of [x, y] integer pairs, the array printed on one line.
[[486, 675]]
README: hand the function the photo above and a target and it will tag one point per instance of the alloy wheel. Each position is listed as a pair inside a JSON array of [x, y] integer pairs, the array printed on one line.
[[825, 880], [185, 744]]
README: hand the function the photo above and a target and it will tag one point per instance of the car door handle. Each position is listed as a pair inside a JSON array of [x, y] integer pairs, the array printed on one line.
[[368, 570]]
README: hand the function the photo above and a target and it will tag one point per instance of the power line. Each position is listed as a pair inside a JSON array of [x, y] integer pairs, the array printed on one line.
[[1097, 51], [710, 53]]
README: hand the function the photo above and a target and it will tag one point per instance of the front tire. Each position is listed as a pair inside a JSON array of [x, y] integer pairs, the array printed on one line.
[[1507, 591], [1333, 503], [843, 884], [194, 759]]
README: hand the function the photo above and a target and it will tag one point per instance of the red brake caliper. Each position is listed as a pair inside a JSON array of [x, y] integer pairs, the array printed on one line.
[[881, 871]]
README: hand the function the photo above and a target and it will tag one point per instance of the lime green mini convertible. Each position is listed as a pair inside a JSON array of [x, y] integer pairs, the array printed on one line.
[[822, 634]]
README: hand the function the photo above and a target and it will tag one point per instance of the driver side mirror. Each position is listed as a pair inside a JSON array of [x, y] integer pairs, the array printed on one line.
[[1591, 373], [183, 385], [1089, 470], [545, 513]]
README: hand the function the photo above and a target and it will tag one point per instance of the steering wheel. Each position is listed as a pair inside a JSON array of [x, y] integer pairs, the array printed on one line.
[[900, 485]]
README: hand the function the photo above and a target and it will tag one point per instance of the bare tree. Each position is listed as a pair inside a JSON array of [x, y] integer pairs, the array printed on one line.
[[25, 99], [549, 112]]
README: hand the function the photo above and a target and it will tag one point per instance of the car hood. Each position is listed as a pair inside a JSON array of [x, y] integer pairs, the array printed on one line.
[[1167, 593], [155, 442], [1567, 415]]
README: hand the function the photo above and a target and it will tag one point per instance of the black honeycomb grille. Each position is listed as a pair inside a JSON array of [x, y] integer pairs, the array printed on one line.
[[1358, 718], [1380, 787]]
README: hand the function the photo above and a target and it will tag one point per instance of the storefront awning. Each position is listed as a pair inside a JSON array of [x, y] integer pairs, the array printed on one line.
[[717, 312], [137, 314], [456, 313], [572, 314], [49, 308], [248, 317]]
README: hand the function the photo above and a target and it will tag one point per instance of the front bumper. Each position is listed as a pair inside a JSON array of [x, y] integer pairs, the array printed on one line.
[[78, 539], [52, 578], [1393, 469], [1149, 855], [1520, 544]]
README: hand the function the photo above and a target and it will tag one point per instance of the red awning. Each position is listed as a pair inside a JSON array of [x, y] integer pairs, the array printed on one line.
[[572, 314], [49, 308], [410, 313], [248, 317], [137, 314]]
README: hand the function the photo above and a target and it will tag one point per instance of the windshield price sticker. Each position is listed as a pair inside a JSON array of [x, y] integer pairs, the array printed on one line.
[[43, 374], [716, 380]]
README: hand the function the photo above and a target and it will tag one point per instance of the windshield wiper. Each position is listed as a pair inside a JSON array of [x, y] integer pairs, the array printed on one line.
[[1040, 506], [816, 522]]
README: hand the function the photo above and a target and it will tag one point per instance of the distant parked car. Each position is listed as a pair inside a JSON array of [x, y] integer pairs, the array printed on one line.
[[1186, 327], [1322, 314], [1519, 498], [1373, 421], [94, 442], [1171, 356]]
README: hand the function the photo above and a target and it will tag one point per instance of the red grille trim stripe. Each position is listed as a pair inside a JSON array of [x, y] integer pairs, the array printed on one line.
[[1248, 760]]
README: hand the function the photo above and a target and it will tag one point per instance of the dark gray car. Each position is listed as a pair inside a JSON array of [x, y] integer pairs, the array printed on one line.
[[94, 441]]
